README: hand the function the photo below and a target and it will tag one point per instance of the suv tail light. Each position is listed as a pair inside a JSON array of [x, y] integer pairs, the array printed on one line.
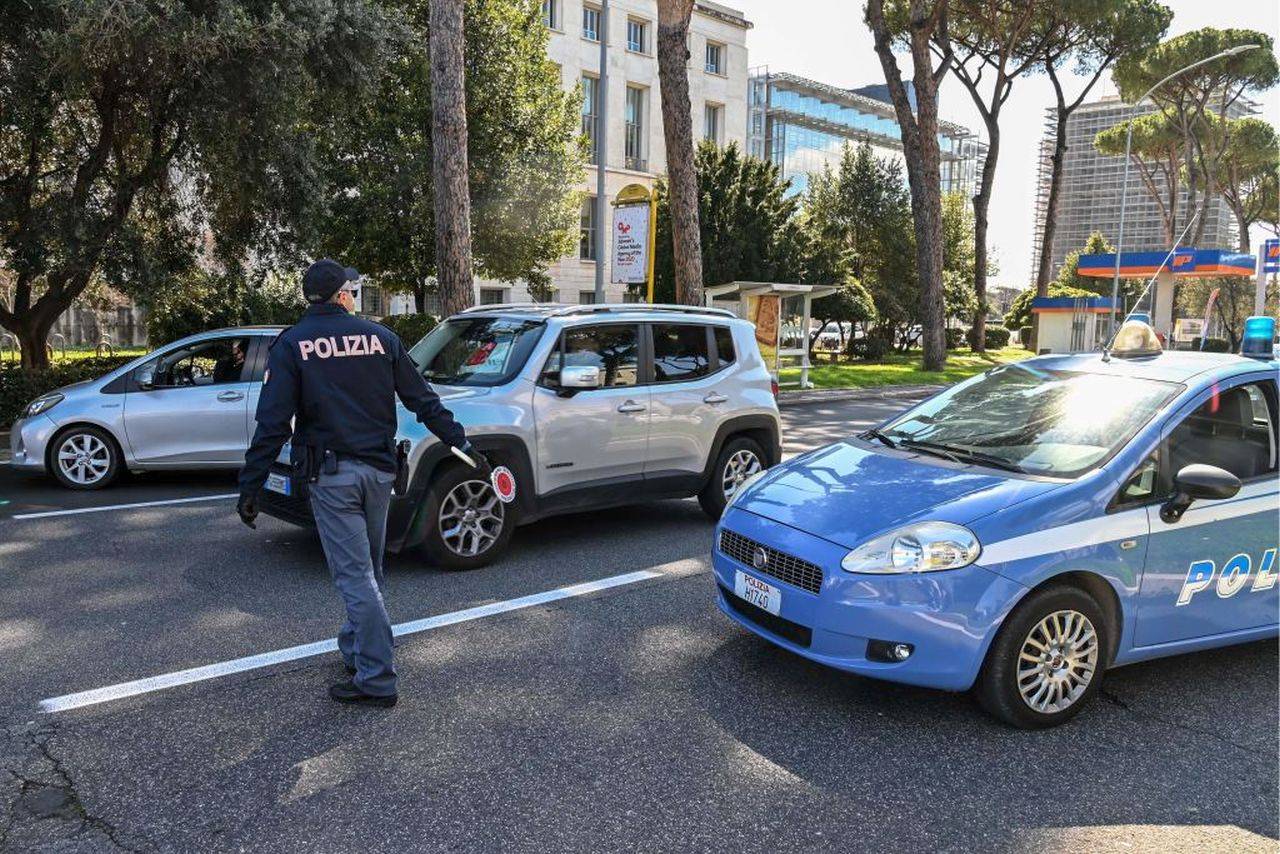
[[773, 387]]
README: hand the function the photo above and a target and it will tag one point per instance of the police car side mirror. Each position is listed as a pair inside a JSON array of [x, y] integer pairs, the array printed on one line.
[[579, 377], [1198, 482]]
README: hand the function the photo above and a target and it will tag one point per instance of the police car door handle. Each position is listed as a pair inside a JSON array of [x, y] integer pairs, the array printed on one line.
[[230, 396], [632, 406], [714, 397]]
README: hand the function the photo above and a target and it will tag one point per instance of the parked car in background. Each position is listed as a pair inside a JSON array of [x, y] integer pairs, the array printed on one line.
[[589, 406], [187, 405]]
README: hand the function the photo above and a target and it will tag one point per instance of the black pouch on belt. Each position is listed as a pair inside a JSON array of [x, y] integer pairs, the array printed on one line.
[[402, 468]]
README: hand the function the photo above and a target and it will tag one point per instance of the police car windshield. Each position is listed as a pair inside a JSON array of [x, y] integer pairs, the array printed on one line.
[[1024, 418], [476, 351]]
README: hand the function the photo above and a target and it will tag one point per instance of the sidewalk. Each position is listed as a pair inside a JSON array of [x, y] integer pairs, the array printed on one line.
[[904, 393]]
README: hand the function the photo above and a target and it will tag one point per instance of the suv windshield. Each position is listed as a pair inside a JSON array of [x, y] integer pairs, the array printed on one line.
[[476, 351], [1028, 419]]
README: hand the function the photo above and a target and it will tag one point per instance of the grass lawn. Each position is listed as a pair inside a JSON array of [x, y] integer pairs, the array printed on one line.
[[899, 369], [73, 353]]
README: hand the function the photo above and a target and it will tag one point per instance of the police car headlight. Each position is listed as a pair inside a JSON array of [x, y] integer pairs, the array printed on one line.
[[41, 404], [742, 488], [922, 547]]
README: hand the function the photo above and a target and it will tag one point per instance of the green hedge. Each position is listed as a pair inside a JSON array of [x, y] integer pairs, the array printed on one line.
[[18, 387], [410, 327], [1212, 345], [997, 337]]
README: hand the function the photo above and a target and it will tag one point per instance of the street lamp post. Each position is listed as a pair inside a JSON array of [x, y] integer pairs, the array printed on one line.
[[1128, 142]]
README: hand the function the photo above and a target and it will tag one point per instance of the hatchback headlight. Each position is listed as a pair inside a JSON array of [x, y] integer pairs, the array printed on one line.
[[922, 547], [41, 404], [742, 487]]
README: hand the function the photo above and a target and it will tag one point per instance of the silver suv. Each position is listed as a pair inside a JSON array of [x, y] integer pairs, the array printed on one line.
[[589, 406]]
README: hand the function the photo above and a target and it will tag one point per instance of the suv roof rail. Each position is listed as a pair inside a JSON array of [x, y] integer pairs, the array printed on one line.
[[557, 310]]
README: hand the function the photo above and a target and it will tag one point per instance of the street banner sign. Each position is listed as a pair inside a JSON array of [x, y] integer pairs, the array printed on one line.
[[1271, 256], [630, 244]]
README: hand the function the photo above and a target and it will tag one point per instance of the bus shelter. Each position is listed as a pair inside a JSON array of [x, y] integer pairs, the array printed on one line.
[[781, 313], [1168, 269]]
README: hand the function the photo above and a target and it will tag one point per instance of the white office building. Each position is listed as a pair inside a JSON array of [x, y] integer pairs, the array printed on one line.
[[633, 149]]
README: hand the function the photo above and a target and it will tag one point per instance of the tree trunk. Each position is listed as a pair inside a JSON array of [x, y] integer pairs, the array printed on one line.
[[449, 157], [920, 145], [677, 133], [1051, 209], [31, 328]]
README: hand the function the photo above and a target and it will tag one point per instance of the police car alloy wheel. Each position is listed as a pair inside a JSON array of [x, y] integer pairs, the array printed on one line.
[[1046, 662], [85, 458]]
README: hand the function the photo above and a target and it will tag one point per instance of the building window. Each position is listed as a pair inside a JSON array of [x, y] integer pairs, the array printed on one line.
[[637, 36], [590, 102], [586, 297], [551, 14], [493, 296], [587, 230], [591, 23], [715, 58], [635, 128], [633, 296], [711, 123]]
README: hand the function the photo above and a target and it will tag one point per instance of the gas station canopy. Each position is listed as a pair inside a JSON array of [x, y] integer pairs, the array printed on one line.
[[1184, 263]]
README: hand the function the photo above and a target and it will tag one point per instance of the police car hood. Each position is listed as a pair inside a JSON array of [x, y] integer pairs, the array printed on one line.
[[847, 493]]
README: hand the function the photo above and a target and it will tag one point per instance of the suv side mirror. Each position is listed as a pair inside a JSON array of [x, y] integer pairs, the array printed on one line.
[[146, 376], [579, 377], [1198, 481]]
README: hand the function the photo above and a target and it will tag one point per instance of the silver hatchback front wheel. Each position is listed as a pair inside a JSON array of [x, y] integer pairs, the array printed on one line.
[[85, 458]]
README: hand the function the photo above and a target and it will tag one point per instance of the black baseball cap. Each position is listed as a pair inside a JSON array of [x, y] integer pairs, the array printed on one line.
[[324, 278]]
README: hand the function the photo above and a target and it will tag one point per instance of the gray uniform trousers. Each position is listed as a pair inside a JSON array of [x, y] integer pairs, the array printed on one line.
[[350, 508]]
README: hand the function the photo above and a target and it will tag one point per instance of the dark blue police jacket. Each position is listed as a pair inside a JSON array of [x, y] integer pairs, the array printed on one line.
[[338, 376]]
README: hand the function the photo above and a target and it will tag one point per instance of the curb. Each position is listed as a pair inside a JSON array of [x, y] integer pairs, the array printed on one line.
[[884, 392]]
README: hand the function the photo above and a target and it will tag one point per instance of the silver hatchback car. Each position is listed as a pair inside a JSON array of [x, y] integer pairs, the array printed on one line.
[[588, 406], [187, 405]]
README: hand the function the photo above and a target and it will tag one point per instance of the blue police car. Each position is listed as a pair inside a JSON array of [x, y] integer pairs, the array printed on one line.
[[1026, 529]]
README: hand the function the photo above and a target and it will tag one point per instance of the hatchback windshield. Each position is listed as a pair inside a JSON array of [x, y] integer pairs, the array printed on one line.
[[476, 351], [1027, 419]]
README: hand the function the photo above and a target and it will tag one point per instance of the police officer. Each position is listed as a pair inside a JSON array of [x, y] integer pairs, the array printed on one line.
[[337, 376]]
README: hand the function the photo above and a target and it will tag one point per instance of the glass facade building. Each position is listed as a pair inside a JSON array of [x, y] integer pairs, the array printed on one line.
[[803, 126]]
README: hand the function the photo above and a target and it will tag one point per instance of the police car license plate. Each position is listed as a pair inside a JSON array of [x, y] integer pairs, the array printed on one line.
[[279, 483], [756, 592]]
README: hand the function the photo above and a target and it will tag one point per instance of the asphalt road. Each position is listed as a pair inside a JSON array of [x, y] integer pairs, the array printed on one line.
[[632, 718]]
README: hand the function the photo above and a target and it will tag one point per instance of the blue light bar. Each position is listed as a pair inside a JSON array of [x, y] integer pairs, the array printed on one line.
[[1259, 333]]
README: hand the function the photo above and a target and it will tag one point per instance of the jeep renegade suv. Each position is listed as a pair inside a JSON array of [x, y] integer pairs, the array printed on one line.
[[589, 406]]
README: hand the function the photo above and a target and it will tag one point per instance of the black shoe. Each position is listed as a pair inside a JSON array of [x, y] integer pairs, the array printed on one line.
[[347, 692]]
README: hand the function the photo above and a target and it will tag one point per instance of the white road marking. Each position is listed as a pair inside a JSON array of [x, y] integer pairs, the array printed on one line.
[[293, 653], [47, 513]]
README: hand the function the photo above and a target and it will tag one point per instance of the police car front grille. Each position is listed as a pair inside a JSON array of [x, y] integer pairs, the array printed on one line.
[[780, 565]]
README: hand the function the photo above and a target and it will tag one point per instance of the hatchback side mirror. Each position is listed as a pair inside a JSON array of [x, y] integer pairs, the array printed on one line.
[[1198, 482], [146, 377], [579, 377]]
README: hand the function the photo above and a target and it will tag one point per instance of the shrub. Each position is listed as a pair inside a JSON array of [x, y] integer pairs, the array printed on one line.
[[997, 337], [955, 337], [19, 387], [1212, 345], [410, 327], [872, 347], [1024, 336]]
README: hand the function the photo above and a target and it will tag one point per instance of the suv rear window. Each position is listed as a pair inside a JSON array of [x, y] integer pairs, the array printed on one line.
[[476, 351], [679, 352], [724, 345]]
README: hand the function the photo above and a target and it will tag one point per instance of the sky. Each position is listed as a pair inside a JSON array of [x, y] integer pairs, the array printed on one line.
[[826, 40]]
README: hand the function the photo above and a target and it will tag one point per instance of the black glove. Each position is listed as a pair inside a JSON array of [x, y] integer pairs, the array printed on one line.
[[247, 507], [483, 467]]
